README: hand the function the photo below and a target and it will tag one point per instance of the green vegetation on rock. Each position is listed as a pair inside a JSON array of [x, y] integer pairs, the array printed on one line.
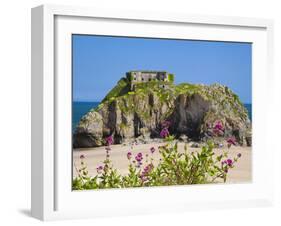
[[121, 88], [171, 78], [190, 107]]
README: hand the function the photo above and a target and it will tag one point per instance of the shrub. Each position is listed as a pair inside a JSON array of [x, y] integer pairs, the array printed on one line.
[[174, 168], [171, 78]]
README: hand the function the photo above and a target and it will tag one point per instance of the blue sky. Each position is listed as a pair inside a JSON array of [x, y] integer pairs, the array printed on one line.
[[100, 61]]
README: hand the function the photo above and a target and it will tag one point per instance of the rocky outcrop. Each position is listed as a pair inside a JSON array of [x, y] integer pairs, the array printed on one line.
[[188, 115], [89, 133], [191, 109]]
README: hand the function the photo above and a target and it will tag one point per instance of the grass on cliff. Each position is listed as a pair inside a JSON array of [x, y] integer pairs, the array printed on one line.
[[167, 92], [121, 88], [163, 89]]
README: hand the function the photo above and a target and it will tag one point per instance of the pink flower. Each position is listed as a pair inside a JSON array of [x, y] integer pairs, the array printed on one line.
[[146, 171], [218, 125], [231, 141], [148, 168], [218, 128], [164, 133], [82, 156], [99, 169], [152, 150], [229, 162], [129, 155], [139, 157], [239, 155], [109, 140]]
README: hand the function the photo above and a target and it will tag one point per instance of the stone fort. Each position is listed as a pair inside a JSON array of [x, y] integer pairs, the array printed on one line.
[[146, 76]]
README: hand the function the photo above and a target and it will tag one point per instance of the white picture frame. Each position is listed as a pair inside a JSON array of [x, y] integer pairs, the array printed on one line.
[[52, 197]]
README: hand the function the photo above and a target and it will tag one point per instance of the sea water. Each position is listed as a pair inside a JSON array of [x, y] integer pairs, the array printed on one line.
[[249, 109]]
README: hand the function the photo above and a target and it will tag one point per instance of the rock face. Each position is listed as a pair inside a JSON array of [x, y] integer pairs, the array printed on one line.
[[188, 115], [89, 133], [191, 109]]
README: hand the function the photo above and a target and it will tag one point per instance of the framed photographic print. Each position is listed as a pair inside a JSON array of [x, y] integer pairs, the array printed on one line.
[[136, 113]]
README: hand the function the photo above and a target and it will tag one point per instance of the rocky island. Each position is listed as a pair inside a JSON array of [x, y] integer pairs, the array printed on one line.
[[135, 109]]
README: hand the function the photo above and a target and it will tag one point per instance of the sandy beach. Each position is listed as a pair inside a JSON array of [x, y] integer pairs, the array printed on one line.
[[94, 157]]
